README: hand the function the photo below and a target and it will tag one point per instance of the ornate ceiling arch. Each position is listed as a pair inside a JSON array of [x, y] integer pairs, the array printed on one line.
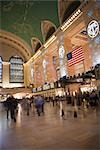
[[36, 44], [10, 41], [23, 18], [47, 28]]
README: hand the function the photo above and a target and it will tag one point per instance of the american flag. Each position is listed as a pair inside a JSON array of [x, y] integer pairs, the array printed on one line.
[[75, 56]]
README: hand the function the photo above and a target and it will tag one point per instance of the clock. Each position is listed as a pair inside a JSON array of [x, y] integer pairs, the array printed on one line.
[[93, 29], [61, 51]]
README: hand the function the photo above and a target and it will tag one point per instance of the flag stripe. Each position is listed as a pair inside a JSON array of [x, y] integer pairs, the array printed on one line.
[[77, 56]]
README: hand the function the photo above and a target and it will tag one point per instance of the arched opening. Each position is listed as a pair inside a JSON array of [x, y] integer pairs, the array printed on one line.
[[71, 8], [50, 32], [37, 47]]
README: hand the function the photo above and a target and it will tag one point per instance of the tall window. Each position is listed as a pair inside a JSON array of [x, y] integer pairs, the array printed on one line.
[[16, 70], [0, 69]]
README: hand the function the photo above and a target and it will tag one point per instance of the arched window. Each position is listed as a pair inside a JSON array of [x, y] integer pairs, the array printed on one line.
[[50, 32], [37, 46], [16, 70], [0, 69]]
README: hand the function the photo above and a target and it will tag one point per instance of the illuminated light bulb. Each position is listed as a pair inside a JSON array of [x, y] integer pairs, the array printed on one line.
[[79, 11], [66, 23], [72, 18], [75, 14]]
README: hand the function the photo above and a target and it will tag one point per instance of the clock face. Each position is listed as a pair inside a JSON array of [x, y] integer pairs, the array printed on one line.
[[61, 52], [93, 29]]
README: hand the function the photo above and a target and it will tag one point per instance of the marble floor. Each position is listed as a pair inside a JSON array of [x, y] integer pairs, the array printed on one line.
[[50, 131]]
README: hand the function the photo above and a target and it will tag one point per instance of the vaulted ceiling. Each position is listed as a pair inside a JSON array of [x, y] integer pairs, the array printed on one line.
[[23, 18], [32, 22]]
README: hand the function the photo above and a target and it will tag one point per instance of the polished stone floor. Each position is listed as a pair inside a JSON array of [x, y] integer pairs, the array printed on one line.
[[50, 131]]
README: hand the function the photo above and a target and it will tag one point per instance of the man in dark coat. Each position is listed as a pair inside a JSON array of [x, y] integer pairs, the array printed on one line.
[[11, 105]]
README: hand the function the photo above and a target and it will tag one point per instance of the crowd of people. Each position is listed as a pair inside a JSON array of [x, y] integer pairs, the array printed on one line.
[[11, 105], [84, 99], [37, 102]]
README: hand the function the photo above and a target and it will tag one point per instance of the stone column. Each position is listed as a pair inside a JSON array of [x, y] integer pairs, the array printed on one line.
[[26, 75], [5, 75], [62, 56]]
